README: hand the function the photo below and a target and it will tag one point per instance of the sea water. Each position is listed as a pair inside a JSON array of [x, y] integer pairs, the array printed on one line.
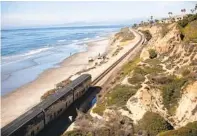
[[26, 53]]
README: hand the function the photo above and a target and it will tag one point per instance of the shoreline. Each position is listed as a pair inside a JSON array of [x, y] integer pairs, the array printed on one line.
[[57, 65], [26, 94]]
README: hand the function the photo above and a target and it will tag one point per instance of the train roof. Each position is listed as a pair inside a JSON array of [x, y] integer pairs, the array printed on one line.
[[27, 116]]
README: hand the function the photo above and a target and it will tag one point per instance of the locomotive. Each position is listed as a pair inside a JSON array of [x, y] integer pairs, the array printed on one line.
[[34, 120]]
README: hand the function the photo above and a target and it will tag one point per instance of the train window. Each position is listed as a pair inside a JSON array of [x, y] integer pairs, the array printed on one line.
[[77, 94], [32, 133], [51, 117]]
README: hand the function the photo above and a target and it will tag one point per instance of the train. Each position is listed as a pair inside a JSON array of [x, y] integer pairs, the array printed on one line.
[[34, 120]]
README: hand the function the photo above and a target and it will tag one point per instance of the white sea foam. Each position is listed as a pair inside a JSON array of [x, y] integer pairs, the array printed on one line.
[[97, 37], [62, 40], [17, 58], [36, 51], [86, 38], [75, 40]]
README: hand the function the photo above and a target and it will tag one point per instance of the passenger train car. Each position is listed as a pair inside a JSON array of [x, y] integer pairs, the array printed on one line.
[[34, 120]]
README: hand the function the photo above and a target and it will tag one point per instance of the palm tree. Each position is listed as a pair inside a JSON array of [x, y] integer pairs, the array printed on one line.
[[156, 20], [170, 14], [192, 11], [195, 7], [142, 22], [151, 17], [183, 10]]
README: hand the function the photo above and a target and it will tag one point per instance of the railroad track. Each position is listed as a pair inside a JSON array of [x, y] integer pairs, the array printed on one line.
[[115, 63]]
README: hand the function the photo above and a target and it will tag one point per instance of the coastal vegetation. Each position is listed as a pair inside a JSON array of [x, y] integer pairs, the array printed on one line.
[[186, 20], [164, 29], [187, 27], [171, 92], [48, 93], [119, 94], [77, 133], [116, 125], [117, 51], [124, 35], [128, 67], [151, 124], [116, 97], [59, 85], [189, 32], [189, 130], [147, 34], [152, 53]]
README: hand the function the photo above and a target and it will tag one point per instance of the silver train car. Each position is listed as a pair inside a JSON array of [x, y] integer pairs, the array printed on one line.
[[34, 120]]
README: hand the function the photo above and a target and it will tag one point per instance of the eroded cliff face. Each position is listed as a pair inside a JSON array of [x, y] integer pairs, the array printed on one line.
[[164, 38], [187, 109], [177, 58]]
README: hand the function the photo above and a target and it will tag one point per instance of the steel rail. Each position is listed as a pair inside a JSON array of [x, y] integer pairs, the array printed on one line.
[[100, 77]]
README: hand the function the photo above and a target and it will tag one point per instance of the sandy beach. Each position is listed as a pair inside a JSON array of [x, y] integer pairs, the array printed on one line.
[[27, 96]]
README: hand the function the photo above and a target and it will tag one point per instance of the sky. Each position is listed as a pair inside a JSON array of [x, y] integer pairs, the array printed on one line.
[[34, 14]]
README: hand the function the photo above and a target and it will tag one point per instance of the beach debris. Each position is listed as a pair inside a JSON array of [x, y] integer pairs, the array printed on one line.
[[58, 86], [70, 118], [85, 70], [117, 51], [63, 83], [48, 93], [90, 59]]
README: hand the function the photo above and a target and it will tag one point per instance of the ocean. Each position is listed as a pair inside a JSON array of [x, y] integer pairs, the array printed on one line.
[[26, 53]]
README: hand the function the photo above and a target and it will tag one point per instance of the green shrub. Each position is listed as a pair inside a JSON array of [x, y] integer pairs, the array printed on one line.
[[185, 72], [128, 67], [162, 79], [189, 130], [183, 22], [171, 93], [149, 70], [77, 133], [125, 34], [192, 18], [188, 26], [190, 31], [152, 54], [153, 123], [187, 20], [119, 95], [99, 109], [164, 30], [136, 78], [140, 70], [147, 34], [47, 94]]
